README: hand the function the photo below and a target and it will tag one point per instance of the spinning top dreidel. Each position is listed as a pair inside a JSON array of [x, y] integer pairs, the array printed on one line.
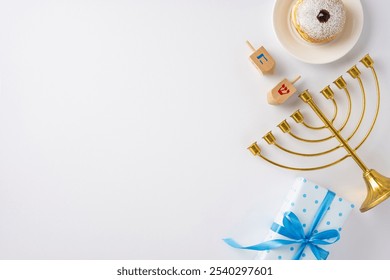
[[282, 92], [262, 60]]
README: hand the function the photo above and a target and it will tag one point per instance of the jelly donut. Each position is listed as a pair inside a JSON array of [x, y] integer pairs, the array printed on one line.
[[318, 21]]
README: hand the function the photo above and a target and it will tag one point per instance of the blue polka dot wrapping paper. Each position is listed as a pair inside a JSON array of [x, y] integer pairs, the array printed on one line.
[[304, 201], [309, 222]]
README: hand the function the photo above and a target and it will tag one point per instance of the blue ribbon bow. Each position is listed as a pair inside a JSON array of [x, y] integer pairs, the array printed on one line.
[[293, 229]]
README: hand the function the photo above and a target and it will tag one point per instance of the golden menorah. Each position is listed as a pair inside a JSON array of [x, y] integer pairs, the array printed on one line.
[[378, 186]]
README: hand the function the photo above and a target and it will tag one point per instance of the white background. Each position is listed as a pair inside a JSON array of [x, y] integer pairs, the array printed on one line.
[[124, 127]]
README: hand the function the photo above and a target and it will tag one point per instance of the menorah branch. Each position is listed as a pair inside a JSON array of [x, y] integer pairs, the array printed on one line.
[[335, 112], [328, 94], [378, 186], [307, 98]]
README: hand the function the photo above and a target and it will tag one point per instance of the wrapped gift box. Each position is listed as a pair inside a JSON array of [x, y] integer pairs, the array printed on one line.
[[309, 222]]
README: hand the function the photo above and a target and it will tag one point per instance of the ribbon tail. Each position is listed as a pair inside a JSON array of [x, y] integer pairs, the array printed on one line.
[[298, 254], [232, 243], [268, 245], [318, 252]]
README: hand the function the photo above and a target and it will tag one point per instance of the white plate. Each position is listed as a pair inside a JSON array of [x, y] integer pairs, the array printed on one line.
[[318, 53]]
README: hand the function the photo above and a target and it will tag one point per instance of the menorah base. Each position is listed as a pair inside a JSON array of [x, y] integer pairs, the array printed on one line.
[[378, 189]]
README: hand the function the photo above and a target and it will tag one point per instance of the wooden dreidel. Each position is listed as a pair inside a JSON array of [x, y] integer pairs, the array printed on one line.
[[282, 92], [262, 60]]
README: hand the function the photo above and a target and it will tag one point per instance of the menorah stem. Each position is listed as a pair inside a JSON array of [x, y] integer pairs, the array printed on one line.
[[307, 98]]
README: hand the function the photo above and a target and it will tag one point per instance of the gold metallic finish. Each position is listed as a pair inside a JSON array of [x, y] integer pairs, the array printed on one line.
[[305, 96], [335, 112], [254, 149], [313, 127], [376, 110], [342, 141], [344, 157], [305, 154], [340, 82], [269, 138], [358, 124], [349, 109], [297, 116], [310, 140], [363, 112], [349, 137], [378, 189], [327, 92], [308, 168], [354, 72], [367, 61], [303, 168], [284, 126], [378, 186]]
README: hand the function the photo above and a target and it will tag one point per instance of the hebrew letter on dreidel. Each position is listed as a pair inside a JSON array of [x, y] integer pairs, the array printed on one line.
[[262, 60], [260, 57], [281, 92]]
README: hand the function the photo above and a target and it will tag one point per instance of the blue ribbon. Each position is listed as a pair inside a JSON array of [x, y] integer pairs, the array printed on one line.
[[293, 229]]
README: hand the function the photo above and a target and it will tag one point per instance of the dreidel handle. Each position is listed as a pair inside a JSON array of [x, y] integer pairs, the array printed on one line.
[[250, 46], [296, 79]]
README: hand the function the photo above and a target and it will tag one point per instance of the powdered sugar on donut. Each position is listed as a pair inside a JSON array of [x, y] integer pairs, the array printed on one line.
[[306, 18]]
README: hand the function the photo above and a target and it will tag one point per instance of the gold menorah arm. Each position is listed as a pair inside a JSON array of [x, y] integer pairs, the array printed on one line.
[[378, 186], [303, 168], [355, 73], [292, 134], [298, 117], [335, 112], [307, 98], [368, 63], [349, 109], [329, 94], [256, 151], [363, 108], [305, 154]]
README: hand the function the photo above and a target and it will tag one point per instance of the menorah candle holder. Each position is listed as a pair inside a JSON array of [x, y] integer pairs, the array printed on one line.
[[378, 186]]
